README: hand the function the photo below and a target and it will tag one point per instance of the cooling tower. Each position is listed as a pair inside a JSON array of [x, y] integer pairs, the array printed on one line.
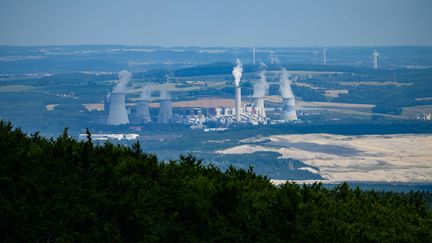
[[288, 109], [107, 104], [165, 112], [143, 112], [237, 103], [117, 110], [259, 107]]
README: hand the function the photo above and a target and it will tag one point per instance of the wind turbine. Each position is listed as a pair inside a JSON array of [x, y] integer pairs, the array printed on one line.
[[375, 56], [324, 50], [272, 57], [253, 55]]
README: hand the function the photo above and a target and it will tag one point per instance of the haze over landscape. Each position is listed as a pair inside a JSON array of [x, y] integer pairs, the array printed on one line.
[[226, 121]]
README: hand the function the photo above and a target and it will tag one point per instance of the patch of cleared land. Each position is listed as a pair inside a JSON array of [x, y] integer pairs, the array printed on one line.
[[51, 107], [94, 107], [423, 99], [15, 88], [375, 83], [412, 110], [334, 93], [203, 103], [171, 87], [390, 158]]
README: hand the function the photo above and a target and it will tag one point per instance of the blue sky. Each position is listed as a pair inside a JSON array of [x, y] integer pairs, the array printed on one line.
[[217, 22]]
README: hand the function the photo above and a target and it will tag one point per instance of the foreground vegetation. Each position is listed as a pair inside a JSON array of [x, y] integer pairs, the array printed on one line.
[[65, 190]]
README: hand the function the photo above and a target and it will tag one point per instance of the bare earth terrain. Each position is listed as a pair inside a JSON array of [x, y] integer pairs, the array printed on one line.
[[390, 158]]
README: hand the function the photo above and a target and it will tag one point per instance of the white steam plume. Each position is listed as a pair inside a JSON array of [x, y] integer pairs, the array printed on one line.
[[261, 86], [123, 79], [146, 93], [164, 94], [237, 72], [285, 85]]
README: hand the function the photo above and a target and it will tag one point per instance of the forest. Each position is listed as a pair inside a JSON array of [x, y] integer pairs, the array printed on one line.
[[60, 189]]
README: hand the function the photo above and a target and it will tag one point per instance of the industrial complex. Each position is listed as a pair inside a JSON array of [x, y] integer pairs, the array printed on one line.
[[253, 113]]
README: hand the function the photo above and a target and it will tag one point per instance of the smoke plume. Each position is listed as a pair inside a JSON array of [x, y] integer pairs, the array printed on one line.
[[146, 93], [285, 85], [237, 72], [123, 79], [261, 86]]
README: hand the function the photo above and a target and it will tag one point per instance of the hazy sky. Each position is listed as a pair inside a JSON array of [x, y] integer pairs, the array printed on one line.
[[217, 22]]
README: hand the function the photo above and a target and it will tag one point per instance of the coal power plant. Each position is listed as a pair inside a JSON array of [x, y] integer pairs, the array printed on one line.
[[117, 110], [250, 113]]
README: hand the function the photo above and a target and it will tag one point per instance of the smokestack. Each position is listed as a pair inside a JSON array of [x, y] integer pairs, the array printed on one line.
[[260, 90], [237, 73], [165, 110], [288, 100], [117, 110]]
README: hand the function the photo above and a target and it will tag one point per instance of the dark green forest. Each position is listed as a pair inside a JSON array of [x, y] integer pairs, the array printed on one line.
[[65, 190]]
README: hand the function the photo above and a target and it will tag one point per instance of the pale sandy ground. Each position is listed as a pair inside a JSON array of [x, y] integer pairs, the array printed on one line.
[[391, 158], [51, 107], [371, 83]]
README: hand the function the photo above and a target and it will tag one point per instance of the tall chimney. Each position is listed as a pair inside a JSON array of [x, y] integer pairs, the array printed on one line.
[[288, 109], [117, 110], [238, 103]]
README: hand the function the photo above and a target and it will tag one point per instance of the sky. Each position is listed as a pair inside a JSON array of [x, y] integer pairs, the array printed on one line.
[[285, 23]]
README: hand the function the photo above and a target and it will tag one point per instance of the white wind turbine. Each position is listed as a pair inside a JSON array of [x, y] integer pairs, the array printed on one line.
[[375, 56], [324, 50]]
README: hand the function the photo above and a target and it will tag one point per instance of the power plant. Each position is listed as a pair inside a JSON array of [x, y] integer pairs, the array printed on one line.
[[117, 110], [249, 113], [165, 110]]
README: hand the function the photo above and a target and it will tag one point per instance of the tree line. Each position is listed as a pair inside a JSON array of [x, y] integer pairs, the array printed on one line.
[[67, 190]]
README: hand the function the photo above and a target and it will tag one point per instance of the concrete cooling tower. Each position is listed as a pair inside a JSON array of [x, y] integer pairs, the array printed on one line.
[[259, 107], [117, 110], [288, 109], [165, 112], [107, 104], [143, 111]]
